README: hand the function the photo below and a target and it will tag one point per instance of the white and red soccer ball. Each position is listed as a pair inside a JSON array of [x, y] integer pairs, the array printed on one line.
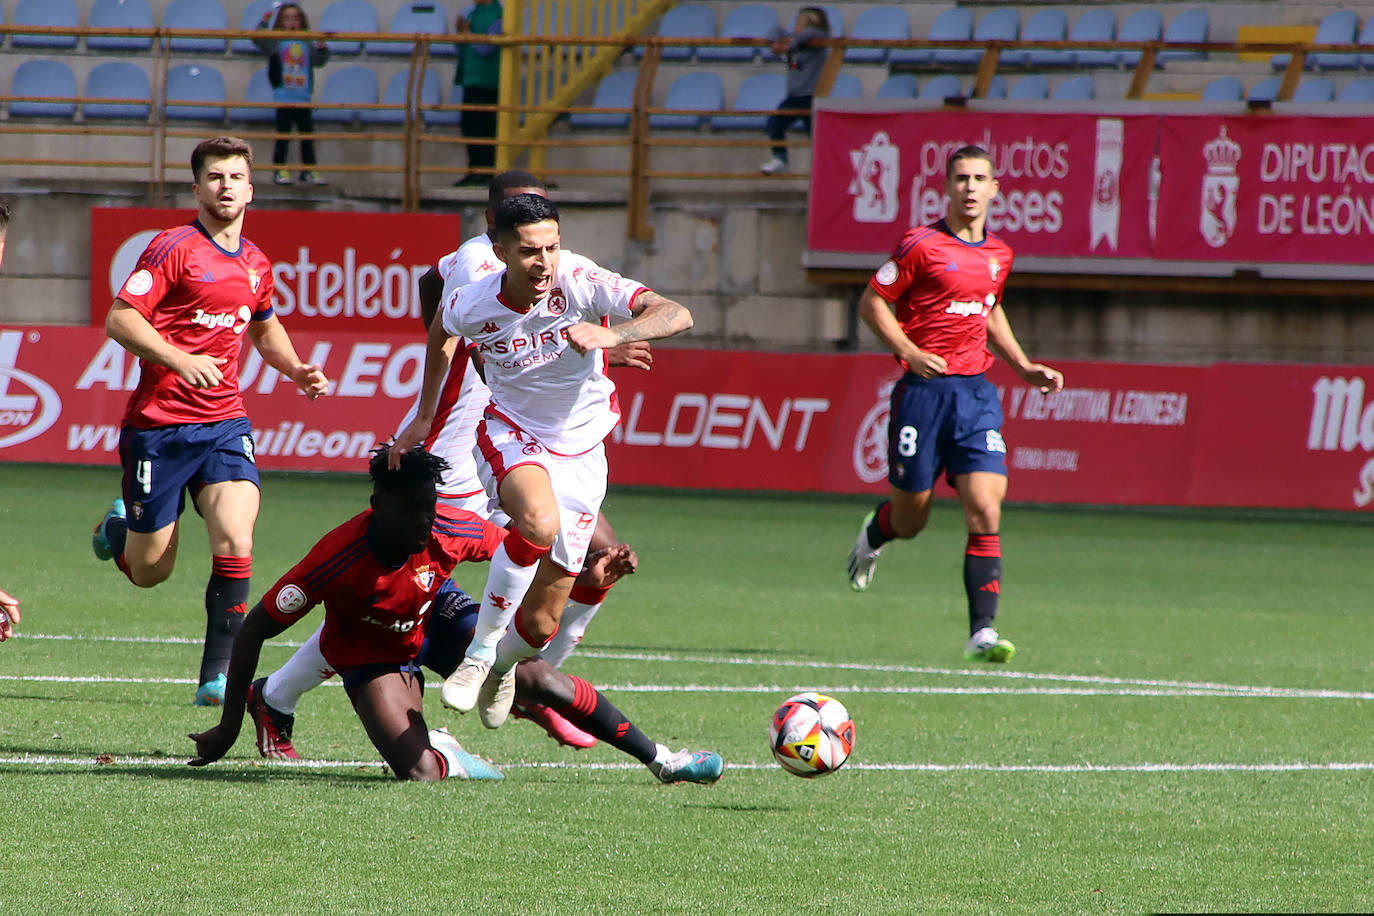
[[811, 734]]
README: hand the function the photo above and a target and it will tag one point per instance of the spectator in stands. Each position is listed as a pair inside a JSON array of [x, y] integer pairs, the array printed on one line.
[[4, 226], [804, 63], [479, 73], [291, 64]]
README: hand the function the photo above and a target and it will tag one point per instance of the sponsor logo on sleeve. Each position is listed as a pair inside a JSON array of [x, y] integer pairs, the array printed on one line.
[[139, 283], [290, 599]]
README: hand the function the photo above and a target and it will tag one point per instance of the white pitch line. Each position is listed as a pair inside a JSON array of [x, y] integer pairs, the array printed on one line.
[[1150, 687], [120, 761]]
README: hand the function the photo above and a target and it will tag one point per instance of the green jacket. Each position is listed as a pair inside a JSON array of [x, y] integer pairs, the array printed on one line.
[[480, 65]]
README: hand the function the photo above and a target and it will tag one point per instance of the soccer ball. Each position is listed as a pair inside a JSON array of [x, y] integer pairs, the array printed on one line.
[[811, 734]]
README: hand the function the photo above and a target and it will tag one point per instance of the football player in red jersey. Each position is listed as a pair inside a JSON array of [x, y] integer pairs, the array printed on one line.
[[937, 304], [197, 290]]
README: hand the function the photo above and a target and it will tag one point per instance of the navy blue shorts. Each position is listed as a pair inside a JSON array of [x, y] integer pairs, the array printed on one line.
[[161, 464], [448, 629], [952, 423]]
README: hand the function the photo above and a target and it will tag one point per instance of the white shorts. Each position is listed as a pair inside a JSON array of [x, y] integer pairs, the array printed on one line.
[[578, 481], [479, 503]]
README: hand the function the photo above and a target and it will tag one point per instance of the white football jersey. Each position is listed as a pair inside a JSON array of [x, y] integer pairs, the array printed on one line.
[[538, 382], [464, 395]]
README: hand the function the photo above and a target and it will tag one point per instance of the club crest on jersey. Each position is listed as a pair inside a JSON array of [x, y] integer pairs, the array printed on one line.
[[558, 303], [994, 268], [424, 577], [253, 279]]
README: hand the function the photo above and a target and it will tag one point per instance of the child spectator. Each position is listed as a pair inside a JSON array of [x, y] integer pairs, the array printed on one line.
[[291, 67], [804, 63]]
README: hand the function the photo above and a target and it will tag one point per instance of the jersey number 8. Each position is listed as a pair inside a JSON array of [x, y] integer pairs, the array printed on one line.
[[906, 441]]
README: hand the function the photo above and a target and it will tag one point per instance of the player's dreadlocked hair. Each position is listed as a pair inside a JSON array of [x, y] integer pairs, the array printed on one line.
[[417, 467]]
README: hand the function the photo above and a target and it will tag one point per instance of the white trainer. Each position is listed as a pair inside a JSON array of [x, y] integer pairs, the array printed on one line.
[[495, 697], [461, 687], [863, 559], [773, 166], [987, 646], [462, 764]]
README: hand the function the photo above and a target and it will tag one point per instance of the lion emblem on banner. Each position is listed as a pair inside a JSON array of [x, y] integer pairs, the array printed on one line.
[[1220, 188]]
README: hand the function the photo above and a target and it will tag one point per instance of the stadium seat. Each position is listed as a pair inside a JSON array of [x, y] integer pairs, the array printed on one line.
[[120, 14], [760, 93], [1266, 90], [198, 84], [1142, 25], [259, 90], [447, 118], [847, 86], [349, 16], [899, 86], [952, 25], [394, 94], [354, 85], [878, 22], [1327, 60], [1097, 24], [1049, 24], [1034, 87], [36, 82], [47, 13], [997, 87], [1224, 89], [748, 20], [616, 90], [1002, 24], [413, 19], [1338, 28], [944, 86], [1367, 40], [1359, 91], [1189, 26], [252, 15], [690, 92], [117, 79], [686, 20], [204, 15], [431, 95], [1079, 88], [1315, 89], [833, 17]]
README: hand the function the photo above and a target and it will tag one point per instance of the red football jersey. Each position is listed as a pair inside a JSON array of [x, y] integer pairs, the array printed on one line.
[[200, 298], [372, 612], [944, 289]]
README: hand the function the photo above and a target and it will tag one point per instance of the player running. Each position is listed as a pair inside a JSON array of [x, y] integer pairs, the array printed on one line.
[[196, 292], [541, 437], [946, 282]]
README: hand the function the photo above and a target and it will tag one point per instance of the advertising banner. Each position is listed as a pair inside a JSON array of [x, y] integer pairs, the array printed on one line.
[[1073, 185], [1222, 435], [337, 271]]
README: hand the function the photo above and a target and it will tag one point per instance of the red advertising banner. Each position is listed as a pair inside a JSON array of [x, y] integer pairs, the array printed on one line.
[[1223, 435], [1072, 185], [336, 271], [1267, 189]]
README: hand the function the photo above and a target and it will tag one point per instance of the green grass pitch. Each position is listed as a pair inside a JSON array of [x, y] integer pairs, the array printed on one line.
[[1186, 726]]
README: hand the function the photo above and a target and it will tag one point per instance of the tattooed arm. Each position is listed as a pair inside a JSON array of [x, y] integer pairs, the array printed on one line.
[[655, 318]]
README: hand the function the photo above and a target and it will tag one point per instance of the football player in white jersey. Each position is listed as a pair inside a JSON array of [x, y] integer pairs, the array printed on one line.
[[464, 397], [541, 328]]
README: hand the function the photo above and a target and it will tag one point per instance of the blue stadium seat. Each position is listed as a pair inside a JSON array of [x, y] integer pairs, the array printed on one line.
[[686, 20], [944, 86], [446, 118], [120, 14], [616, 90], [1367, 40], [997, 87], [1315, 89], [40, 80], [847, 86], [394, 94], [760, 93], [117, 79], [354, 84], [748, 20], [1002, 24], [1359, 91], [1189, 26], [1079, 88], [878, 22], [1336, 61], [1266, 90], [1049, 24], [833, 17], [412, 19], [1338, 28], [195, 92], [259, 90], [951, 25], [432, 94], [1142, 25], [205, 15], [899, 86], [1034, 87], [691, 92], [252, 15], [1094, 25], [1224, 89], [48, 13], [349, 16]]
